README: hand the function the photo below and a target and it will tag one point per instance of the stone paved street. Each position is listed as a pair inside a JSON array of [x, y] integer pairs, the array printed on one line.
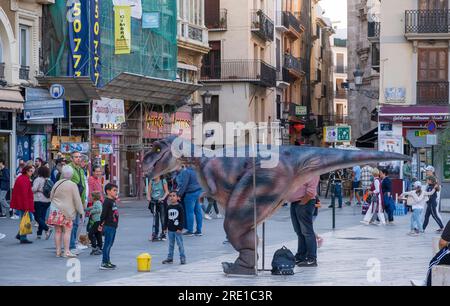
[[343, 259]]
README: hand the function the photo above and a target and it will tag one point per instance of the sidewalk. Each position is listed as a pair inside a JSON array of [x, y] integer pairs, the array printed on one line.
[[342, 259]]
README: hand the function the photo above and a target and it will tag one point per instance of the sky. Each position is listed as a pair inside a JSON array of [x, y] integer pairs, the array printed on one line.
[[336, 10]]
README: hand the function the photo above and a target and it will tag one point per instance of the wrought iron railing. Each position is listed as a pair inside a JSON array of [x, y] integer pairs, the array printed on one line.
[[293, 63], [373, 29], [24, 73], [330, 120], [262, 25], [241, 70], [293, 21], [220, 24], [2, 71], [427, 21], [432, 93]]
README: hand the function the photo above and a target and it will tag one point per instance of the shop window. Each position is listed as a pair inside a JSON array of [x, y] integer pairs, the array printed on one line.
[[5, 121]]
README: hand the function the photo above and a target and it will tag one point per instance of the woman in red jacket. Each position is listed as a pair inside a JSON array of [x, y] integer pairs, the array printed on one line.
[[22, 197]]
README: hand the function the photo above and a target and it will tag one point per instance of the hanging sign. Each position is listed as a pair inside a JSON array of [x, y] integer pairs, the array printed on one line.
[[105, 149], [122, 29], [108, 111], [77, 15], [95, 42], [69, 147]]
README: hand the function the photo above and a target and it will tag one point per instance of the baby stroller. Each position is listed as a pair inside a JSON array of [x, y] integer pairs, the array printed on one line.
[[367, 198]]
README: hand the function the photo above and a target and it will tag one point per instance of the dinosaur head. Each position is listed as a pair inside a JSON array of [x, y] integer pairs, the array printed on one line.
[[160, 159]]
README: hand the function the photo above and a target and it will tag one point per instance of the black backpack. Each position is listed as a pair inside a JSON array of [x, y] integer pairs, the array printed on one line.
[[47, 189], [283, 262]]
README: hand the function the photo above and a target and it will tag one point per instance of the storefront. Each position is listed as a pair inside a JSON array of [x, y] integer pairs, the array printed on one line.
[[414, 131], [11, 103]]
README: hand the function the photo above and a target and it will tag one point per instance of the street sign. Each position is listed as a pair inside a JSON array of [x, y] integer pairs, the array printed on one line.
[[301, 110], [48, 109], [56, 91], [337, 133]]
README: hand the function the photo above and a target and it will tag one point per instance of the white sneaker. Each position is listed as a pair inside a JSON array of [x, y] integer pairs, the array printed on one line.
[[208, 217], [36, 224], [364, 222], [15, 217], [2, 236], [219, 216], [417, 283]]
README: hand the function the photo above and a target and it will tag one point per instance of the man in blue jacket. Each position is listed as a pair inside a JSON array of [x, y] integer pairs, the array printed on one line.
[[4, 188], [190, 190]]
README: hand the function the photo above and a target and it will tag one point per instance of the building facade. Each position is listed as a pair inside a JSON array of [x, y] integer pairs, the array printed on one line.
[[340, 105], [20, 41], [363, 35], [414, 91], [239, 70]]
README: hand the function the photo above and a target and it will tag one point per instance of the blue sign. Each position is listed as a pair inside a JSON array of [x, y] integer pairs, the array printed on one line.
[[77, 15], [37, 94], [56, 91], [23, 148], [150, 20], [47, 109], [94, 33]]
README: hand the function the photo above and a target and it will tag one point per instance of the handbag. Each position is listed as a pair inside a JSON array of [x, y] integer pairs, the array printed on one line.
[[25, 225]]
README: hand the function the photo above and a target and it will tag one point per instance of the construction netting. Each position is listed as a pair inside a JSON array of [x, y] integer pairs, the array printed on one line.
[[153, 50]]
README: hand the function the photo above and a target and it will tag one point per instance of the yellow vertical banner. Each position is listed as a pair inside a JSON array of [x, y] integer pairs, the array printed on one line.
[[122, 29]]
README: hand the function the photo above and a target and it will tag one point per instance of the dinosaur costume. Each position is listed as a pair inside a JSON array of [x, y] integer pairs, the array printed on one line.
[[229, 180]]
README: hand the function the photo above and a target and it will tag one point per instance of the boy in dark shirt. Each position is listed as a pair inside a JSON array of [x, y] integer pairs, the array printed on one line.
[[109, 221], [175, 225]]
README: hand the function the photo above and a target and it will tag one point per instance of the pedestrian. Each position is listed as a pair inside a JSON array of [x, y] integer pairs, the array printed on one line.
[[417, 200], [376, 207], [56, 171], [66, 205], [318, 205], [336, 187], [22, 198], [156, 195], [5, 183], [20, 167], [190, 190], [441, 258], [432, 205], [407, 174], [212, 203], [356, 185], [78, 178], [85, 165], [387, 199], [303, 204], [95, 185], [109, 221], [38, 162], [41, 201], [95, 212], [175, 225]]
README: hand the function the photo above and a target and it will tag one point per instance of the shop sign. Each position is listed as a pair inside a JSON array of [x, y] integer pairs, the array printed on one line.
[[122, 29], [301, 110], [160, 125], [108, 111], [337, 133], [447, 164], [391, 144], [421, 133], [105, 149], [151, 20], [47, 109], [69, 147], [415, 118]]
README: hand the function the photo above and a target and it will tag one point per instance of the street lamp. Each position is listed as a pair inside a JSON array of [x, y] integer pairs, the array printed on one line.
[[207, 97]]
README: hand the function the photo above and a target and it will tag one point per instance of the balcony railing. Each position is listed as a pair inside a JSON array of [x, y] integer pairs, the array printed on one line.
[[282, 20], [432, 93], [293, 63], [427, 21], [373, 30], [340, 94], [192, 32], [2, 71], [340, 69], [330, 120], [294, 22], [24, 73], [262, 25], [254, 71], [221, 24]]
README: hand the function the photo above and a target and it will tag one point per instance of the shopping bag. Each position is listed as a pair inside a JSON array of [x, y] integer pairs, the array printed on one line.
[[25, 227], [84, 237]]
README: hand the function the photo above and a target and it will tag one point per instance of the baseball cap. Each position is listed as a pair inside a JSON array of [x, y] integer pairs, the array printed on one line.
[[429, 168]]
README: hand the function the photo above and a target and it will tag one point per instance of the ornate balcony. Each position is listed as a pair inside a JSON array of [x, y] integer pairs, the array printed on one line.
[[262, 25], [432, 93], [427, 24]]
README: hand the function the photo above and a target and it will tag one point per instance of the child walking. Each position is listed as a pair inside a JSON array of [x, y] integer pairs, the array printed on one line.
[[418, 199], [95, 236], [109, 221], [175, 225]]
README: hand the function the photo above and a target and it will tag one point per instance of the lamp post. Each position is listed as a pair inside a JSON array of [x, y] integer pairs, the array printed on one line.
[[358, 74], [207, 97]]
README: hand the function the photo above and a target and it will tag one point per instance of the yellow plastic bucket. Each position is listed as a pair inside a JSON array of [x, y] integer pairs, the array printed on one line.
[[144, 262]]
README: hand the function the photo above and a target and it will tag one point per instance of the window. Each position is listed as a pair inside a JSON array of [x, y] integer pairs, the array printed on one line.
[[211, 112], [376, 57], [340, 63], [24, 45], [263, 110]]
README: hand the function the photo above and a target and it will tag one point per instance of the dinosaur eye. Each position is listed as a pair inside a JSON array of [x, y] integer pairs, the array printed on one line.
[[158, 150]]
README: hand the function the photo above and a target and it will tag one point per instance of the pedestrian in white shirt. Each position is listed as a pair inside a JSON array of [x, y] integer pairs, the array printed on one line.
[[417, 199]]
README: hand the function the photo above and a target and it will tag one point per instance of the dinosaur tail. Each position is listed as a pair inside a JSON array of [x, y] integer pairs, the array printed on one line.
[[316, 161]]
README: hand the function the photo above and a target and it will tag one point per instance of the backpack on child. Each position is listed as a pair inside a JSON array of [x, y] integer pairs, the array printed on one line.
[[283, 262]]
